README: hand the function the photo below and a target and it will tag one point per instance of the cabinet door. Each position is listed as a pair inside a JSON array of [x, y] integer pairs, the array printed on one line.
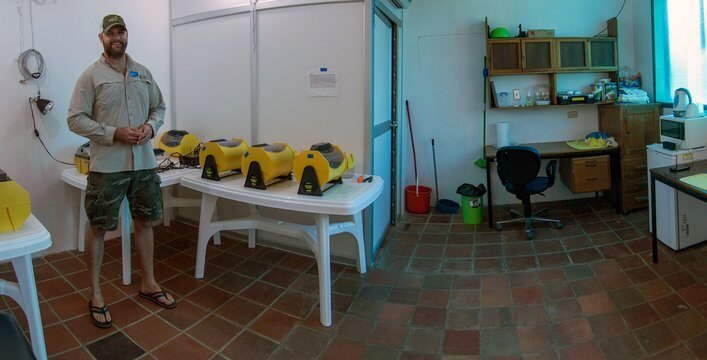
[[571, 54], [641, 130], [602, 54], [537, 55], [504, 56]]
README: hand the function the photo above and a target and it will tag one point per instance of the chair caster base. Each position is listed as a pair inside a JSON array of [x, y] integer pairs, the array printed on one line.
[[530, 234]]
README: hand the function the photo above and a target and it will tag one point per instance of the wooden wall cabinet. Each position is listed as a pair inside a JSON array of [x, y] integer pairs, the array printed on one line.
[[634, 127], [538, 55], [572, 54], [504, 56]]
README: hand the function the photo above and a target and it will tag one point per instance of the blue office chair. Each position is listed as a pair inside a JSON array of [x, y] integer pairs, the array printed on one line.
[[518, 168], [13, 343]]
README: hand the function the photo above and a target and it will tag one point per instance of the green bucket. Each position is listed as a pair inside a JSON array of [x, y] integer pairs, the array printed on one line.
[[472, 209]]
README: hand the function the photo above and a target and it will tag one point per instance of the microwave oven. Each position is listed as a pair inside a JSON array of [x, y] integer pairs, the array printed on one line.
[[685, 133]]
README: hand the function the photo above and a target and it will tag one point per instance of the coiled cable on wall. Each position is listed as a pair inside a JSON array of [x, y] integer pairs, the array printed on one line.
[[23, 64]]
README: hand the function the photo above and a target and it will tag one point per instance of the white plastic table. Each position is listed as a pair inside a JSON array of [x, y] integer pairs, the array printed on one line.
[[18, 247], [169, 178], [349, 198]]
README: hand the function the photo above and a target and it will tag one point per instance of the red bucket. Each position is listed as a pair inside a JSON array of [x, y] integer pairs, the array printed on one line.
[[417, 203]]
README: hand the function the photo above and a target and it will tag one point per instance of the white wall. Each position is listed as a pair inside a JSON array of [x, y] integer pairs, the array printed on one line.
[[444, 47], [66, 33]]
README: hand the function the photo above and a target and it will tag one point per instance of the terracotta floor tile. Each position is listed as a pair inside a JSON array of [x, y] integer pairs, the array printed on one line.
[[495, 298], [232, 282], [69, 306], [342, 348], [641, 274], [607, 325], [462, 318], [274, 325], [669, 305], [557, 291], [83, 329], [183, 284], [527, 295], [53, 288], [654, 289], [640, 315], [534, 339], [214, 331], [183, 316], [434, 298], [249, 346], [530, 315], [389, 335], [676, 352], [461, 342], [69, 265], [680, 280], [499, 342], [695, 295], [209, 297], [150, 332], [586, 286], [585, 351], [488, 265], [572, 331], [58, 339], [307, 342], [595, 304], [564, 310], [76, 354], [497, 317], [464, 298], [521, 263], [295, 304], [424, 340], [115, 346], [621, 347], [261, 292], [183, 347], [427, 316], [656, 338], [615, 281], [687, 324], [626, 297], [698, 346]]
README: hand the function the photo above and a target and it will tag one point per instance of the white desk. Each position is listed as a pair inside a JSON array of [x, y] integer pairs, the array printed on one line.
[[18, 247], [168, 178], [349, 198]]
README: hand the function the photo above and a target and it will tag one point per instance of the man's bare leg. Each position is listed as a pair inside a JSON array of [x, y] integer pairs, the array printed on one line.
[[145, 243], [94, 241]]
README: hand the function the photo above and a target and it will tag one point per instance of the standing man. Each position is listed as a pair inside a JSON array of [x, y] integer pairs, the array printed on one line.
[[117, 105]]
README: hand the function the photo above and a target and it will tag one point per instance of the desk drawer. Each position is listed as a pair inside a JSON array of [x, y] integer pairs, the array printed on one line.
[[586, 174]]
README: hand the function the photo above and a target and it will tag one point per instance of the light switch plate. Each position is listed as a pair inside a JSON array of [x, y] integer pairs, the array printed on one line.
[[516, 94]]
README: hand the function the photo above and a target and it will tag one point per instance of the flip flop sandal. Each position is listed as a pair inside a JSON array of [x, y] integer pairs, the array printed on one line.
[[155, 296], [99, 310]]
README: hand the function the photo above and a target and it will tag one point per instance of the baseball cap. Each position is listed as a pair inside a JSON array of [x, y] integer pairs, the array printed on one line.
[[112, 20]]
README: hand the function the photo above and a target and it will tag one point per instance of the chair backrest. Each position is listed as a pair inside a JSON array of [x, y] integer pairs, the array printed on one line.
[[517, 164]]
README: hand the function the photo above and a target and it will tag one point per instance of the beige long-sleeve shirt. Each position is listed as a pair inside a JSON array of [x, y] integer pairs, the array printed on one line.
[[104, 99]]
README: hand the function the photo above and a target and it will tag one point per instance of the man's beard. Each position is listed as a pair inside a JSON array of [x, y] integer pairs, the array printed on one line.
[[115, 53]]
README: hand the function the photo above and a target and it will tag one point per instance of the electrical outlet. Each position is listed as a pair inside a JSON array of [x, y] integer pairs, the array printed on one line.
[[572, 114], [516, 94]]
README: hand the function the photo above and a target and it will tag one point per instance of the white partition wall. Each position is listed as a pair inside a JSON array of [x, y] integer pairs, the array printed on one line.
[[242, 69], [291, 42], [212, 77]]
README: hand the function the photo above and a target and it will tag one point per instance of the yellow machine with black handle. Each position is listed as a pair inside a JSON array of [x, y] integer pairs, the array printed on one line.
[[221, 158], [15, 204], [178, 142], [82, 158], [267, 164], [324, 163]]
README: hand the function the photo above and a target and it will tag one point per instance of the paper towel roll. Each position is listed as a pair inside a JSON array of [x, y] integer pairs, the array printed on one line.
[[502, 134]]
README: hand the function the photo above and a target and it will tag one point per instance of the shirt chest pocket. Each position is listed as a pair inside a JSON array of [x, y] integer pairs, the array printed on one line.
[[140, 89], [108, 93]]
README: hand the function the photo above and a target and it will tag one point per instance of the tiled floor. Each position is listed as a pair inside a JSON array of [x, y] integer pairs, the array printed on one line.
[[439, 289]]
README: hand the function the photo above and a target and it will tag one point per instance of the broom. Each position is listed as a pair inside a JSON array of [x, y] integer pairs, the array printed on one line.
[[481, 162], [414, 156]]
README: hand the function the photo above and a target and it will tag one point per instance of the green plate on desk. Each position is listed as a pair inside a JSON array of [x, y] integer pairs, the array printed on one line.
[[699, 181]]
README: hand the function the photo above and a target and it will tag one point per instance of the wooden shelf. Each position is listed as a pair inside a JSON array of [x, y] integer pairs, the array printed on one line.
[[547, 106]]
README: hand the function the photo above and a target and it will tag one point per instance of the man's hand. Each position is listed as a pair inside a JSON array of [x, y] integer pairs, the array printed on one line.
[[127, 135], [145, 133]]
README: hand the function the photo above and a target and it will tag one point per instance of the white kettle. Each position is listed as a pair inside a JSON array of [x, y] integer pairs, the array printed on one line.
[[681, 99]]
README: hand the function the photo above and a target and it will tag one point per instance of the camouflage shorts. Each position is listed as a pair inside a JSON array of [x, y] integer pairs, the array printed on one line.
[[105, 193]]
